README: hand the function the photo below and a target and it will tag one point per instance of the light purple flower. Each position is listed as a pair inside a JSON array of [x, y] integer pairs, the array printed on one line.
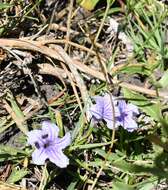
[[123, 112], [125, 118], [48, 145], [103, 110]]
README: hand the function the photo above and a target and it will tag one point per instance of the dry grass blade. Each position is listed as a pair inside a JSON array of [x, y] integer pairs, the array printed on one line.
[[63, 41], [73, 85], [19, 121], [34, 46], [5, 186], [46, 68], [69, 23], [74, 71]]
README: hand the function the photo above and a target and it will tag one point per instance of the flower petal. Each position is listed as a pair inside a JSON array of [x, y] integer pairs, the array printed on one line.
[[103, 108], [132, 109], [57, 157], [96, 110], [51, 129], [108, 109], [34, 136], [39, 156], [122, 106], [109, 113], [110, 124], [118, 123], [130, 125], [61, 143]]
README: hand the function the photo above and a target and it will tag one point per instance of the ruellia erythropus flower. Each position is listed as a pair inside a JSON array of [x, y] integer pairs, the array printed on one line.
[[122, 112], [126, 114], [103, 109], [48, 145]]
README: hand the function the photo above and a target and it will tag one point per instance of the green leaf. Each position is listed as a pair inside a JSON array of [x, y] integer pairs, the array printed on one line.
[[164, 80], [140, 169], [2, 30], [164, 124], [5, 5], [111, 156], [147, 184], [120, 185], [144, 185], [79, 127], [132, 69], [18, 114], [6, 149], [89, 146], [143, 103], [44, 179], [72, 185], [16, 109], [88, 5], [59, 122], [17, 175]]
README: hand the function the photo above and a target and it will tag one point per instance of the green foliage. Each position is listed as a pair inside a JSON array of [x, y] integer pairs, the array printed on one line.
[[164, 80], [147, 32], [136, 68], [88, 5], [137, 160], [11, 153], [151, 109], [5, 6], [17, 175], [119, 185]]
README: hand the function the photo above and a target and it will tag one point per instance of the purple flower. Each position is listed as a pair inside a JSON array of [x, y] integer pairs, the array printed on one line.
[[123, 112], [125, 118], [48, 145], [103, 110]]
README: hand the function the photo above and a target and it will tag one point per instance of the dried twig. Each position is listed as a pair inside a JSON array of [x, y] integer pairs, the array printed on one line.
[[6, 186], [63, 41], [69, 23], [18, 121], [75, 73], [31, 45]]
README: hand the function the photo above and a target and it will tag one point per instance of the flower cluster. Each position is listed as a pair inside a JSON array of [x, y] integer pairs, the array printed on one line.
[[48, 145], [120, 112]]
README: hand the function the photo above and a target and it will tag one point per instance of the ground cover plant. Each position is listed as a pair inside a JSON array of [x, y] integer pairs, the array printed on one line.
[[83, 95]]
